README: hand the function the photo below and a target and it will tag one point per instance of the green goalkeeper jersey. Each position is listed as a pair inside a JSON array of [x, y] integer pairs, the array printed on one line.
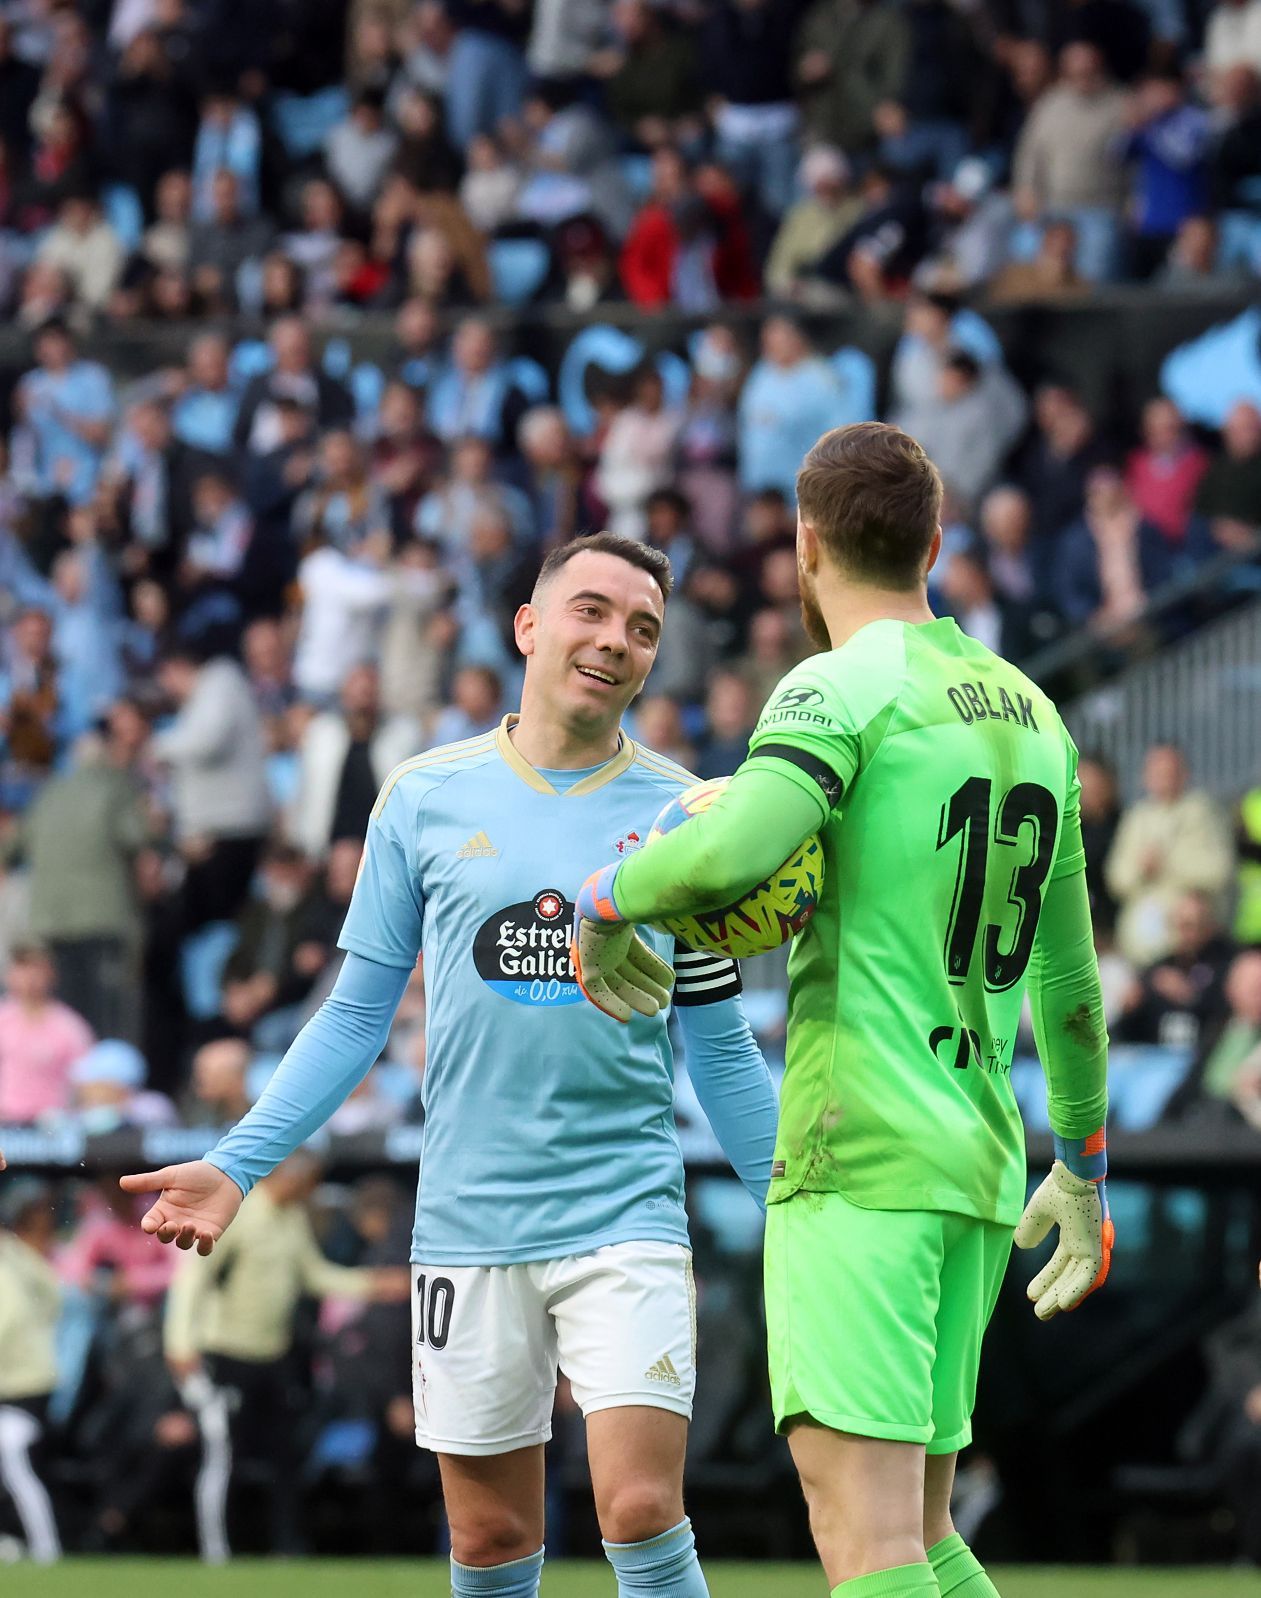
[[957, 804]]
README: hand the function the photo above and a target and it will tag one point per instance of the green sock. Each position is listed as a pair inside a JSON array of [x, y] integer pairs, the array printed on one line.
[[905, 1581], [959, 1572]]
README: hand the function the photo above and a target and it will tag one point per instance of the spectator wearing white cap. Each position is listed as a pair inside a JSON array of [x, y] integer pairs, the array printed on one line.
[[980, 220], [811, 226], [108, 1088], [1233, 36]]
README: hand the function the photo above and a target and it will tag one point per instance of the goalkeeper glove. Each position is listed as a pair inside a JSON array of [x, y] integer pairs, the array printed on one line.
[[1073, 1197], [616, 969]]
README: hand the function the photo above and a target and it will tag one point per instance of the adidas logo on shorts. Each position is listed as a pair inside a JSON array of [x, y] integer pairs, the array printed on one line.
[[664, 1371], [479, 847]]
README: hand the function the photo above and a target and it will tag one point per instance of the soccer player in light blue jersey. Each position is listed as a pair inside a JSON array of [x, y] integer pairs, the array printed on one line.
[[550, 1226]]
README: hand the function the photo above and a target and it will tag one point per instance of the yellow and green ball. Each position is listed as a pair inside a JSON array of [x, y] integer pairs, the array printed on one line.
[[770, 913]]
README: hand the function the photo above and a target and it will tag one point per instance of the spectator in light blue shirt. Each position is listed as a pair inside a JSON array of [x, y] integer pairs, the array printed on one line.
[[204, 415], [792, 396], [83, 605], [228, 140], [472, 396], [65, 407]]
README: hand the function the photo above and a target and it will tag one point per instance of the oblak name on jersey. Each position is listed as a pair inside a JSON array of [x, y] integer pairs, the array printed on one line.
[[972, 702]]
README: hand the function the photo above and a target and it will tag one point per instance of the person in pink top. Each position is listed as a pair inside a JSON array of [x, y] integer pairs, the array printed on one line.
[[108, 1240], [1163, 475], [40, 1040]]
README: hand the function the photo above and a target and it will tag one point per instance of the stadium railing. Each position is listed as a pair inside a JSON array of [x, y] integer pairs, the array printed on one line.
[[1201, 691]]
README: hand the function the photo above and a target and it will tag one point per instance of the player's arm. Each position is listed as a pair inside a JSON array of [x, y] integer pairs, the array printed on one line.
[[803, 754], [1072, 1038], [726, 1066], [328, 1059], [750, 829]]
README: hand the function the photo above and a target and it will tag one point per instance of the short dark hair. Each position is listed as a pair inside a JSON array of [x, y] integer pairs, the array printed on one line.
[[874, 498], [967, 365], [674, 498], [643, 556]]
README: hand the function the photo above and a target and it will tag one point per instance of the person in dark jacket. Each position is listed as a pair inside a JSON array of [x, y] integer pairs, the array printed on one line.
[[746, 63], [294, 376], [1112, 559]]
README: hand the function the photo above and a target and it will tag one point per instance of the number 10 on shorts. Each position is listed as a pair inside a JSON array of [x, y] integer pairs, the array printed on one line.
[[435, 1301]]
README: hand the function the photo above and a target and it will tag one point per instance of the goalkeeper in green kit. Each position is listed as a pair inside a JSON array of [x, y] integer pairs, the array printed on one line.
[[944, 786]]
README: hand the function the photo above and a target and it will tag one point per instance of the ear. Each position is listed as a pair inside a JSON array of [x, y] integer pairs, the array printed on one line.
[[934, 549], [807, 547], [524, 626]]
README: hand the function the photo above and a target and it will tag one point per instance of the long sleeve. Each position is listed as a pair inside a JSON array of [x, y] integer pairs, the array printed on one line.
[[1067, 1005], [1123, 869], [734, 1087], [751, 828], [1204, 860], [320, 1277], [205, 728], [1027, 168], [329, 1058], [189, 1297]]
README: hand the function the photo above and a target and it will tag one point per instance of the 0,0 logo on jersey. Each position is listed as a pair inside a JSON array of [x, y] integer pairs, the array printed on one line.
[[523, 951]]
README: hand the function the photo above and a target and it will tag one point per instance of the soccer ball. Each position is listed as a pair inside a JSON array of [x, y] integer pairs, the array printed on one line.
[[769, 914]]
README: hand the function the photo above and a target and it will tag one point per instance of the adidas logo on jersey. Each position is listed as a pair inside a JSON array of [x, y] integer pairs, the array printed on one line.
[[479, 847], [664, 1371]]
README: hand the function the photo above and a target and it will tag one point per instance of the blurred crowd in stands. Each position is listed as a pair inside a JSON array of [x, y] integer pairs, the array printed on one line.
[[240, 583], [167, 158]]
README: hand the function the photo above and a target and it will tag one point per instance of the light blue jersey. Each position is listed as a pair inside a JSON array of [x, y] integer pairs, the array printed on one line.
[[549, 1127]]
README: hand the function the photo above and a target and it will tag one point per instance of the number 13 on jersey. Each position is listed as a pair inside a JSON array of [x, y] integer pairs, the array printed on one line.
[[1024, 822]]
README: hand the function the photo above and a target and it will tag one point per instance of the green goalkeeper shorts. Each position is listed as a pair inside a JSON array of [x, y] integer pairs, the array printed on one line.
[[875, 1317]]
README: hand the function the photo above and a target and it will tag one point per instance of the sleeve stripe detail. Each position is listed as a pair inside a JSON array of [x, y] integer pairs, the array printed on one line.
[[687, 1001], [448, 753], [703, 987], [702, 977], [660, 766], [701, 962], [819, 771]]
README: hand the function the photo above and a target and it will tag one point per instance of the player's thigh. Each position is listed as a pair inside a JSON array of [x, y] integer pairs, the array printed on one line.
[[865, 1496], [972, 1273], [851, 1304], [494, 1504], [625, 1319], [484, 1359]]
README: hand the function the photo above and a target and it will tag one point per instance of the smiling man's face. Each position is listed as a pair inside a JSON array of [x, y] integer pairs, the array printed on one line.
[[590, 637]]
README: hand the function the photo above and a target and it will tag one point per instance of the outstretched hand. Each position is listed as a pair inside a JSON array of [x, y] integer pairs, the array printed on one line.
[[195, 1205]]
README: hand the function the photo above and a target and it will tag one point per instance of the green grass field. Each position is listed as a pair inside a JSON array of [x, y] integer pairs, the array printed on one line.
[[332, 1578]]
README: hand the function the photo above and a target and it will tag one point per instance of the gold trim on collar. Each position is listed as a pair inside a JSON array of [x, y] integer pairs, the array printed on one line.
[[620, 762]]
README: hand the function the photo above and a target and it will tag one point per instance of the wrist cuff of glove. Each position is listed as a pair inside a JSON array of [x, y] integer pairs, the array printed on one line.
[[1085, 1157], [597, 900]]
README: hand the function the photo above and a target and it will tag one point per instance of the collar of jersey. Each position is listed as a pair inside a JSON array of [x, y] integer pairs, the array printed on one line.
[[517, 762]]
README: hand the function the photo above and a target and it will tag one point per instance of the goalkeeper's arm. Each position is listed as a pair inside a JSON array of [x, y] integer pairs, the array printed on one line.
[[1067, 1004], [1072, 1039], [751, 828]]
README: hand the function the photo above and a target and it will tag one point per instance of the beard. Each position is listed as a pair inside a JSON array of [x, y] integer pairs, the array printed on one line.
[[811, 616]]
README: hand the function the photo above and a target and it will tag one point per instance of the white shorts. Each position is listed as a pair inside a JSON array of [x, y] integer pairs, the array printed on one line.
[[620, 1323]]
